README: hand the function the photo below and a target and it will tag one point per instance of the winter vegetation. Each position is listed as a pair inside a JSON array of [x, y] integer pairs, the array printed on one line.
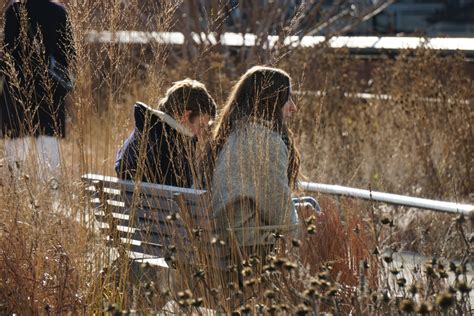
[[54, 260]]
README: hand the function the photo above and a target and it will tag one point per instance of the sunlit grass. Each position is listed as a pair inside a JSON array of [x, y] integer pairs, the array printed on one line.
[[53, 261]]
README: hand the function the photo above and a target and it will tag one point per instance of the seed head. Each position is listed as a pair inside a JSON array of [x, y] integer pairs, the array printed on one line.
[[310, 220], [443, 274], [250, 282], [269, 294], [394, 271], [197, 302], [254, 259], [357, 229], [424, 308], [279, 262], [149, 285], [365, 265], [184, 295], [284, 307], [144, 265], [199, 274], [269, 268], [401, 282], [452, 266], [302, 310], [277, 235], [462, 287], [373, 297], [197, 232], [290, 266], [296, 243], [323, 284], [309, 293], [245, 309], [323, 275], [246, 271], [173, 217], [460, 219], [332, 291], [445, 300], [461, 269], [272, 309], [407, 305], [429, 270], [170, 258], [260, 308], [385, 221], [387, 259], [413, 289]]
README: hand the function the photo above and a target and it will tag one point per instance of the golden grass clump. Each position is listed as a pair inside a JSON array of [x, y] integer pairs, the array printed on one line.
[[418, 141]]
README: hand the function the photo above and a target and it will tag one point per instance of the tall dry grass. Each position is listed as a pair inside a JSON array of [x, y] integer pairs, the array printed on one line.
[[52, 261]]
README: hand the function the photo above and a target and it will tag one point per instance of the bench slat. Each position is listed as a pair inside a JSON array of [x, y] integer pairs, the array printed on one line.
[[117, 215], [96, 203], [150, 189], [119, 219], [120, 228], [152, 229], [144, 202], [106, 190]]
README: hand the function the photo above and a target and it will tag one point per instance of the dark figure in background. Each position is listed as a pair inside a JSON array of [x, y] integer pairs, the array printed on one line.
[[38, 48], [161, 148]]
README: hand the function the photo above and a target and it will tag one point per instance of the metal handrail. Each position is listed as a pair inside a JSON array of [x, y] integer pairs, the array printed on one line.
[[441, 206], [247, 39]]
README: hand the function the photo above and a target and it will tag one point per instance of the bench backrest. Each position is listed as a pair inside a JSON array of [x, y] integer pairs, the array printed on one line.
[[145, 220], [151, 219]]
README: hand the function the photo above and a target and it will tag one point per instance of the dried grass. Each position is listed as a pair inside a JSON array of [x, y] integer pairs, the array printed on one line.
[[51, 261]]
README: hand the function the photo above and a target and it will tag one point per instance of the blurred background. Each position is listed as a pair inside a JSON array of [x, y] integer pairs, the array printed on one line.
[[391, 112]]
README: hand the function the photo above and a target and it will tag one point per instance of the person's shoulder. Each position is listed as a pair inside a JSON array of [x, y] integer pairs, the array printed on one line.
[[57, 4], [12, 8], [140, 111], [57, 7], [262, 129], [143, 112], [257, 135]]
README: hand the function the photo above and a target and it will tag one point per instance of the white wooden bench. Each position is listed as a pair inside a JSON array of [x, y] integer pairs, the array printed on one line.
[[155, 223], [145, 221]]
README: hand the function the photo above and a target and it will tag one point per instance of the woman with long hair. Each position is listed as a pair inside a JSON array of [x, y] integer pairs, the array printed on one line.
[[254, 164]]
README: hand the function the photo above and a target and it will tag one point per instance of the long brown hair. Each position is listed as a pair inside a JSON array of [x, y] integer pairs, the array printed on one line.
[[260, 94]]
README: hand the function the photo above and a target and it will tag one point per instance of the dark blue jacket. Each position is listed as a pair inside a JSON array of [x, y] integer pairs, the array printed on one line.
[[43, 113], [166, 155]]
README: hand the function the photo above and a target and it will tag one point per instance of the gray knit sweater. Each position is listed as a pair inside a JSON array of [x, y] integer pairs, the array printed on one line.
[[252, 166]]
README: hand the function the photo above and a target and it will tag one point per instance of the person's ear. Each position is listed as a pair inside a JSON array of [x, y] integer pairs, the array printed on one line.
[[185, 118]]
